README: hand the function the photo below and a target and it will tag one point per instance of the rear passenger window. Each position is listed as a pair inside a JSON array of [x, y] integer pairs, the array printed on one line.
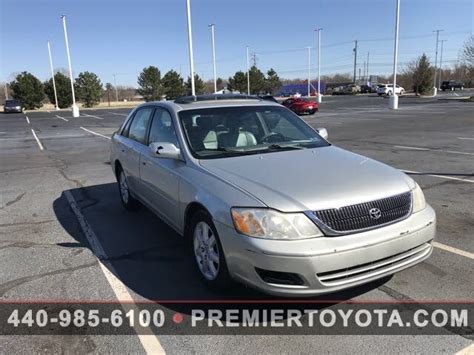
[[139, 125]]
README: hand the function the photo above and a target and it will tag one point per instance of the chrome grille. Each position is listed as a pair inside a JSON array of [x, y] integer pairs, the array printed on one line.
[[357, 217]]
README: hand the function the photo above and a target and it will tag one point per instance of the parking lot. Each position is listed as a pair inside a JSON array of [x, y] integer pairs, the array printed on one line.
[[56, 183]]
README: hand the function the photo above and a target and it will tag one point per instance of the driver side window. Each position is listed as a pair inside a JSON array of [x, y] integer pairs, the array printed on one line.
[[162, 128]]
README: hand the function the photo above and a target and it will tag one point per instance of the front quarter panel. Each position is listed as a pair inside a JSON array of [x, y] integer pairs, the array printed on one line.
[[215, 194]]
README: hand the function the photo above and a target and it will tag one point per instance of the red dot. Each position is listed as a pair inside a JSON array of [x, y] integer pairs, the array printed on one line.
[[177, 318]]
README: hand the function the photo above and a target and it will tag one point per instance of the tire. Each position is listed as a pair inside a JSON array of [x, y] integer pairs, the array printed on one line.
[[462, 88], [389, 93], [128, 201], [452, 88], [402, 92], [379, 94], [207, 252]]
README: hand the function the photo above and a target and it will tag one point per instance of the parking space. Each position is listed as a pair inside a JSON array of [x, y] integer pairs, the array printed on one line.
[[56, 182]]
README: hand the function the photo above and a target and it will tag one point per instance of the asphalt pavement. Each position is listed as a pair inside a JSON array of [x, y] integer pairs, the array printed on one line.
[[55, 178]]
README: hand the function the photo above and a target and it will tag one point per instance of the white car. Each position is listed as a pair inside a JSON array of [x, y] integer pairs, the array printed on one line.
[[387, 89]]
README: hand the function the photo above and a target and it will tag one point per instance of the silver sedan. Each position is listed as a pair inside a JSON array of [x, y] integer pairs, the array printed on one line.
[[263, 198]]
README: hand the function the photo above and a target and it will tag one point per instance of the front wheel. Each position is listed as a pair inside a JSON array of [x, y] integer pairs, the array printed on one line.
[[126, 197], [208, 252]]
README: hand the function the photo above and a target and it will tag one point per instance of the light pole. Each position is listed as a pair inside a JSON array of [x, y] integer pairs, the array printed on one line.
[[212, 26], [190, 46], [52, 76], [309, 71], [435, 90], [355, 60], [441, 63], [248, 72], [75, 109], [319, 97], [393, 101], [115, 86], [368, 77], [6, 90]]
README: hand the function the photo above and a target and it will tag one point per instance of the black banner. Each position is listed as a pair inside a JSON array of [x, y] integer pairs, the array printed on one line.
[[237, 317]]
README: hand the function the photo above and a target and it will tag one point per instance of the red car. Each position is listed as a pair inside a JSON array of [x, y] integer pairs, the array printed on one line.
[[301, 105]]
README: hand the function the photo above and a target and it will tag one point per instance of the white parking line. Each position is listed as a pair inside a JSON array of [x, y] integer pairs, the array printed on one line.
[[454, 250], [37, 139], [410, 148], [149, 341], [87, 115], [94, 133], [469, 350], [117, 114], [27, 119], [432, 150], [470, 138], [439, 176], [65, 119]]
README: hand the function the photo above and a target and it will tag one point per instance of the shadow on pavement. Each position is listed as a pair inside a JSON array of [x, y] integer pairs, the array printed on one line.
[[148, 256]]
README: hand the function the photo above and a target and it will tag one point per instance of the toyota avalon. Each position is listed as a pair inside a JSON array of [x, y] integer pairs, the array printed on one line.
[[263, 198]]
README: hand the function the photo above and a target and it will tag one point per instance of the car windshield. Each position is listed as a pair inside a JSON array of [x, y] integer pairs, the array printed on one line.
[[233, 131], [12, 103]]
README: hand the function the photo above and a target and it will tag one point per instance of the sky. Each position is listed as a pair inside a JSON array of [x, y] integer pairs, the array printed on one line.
[[122, 37]]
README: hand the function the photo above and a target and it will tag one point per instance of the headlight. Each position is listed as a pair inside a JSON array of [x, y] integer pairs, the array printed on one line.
[[419, 202], [270, 224]]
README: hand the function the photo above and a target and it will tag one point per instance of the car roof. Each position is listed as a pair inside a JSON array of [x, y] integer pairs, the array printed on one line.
[[210, 101]]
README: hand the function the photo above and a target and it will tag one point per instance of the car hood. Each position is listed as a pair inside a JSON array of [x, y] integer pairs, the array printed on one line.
[[310, 179]]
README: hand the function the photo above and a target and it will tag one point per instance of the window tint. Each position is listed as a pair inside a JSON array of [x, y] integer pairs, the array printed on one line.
[[140, 124], [162, 128]]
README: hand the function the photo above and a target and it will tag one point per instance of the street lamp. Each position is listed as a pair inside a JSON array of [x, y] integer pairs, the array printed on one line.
[[214, 56], [52, 76], [309, 71], [441, 63], [319, 97], [393, 101], [248, 72], [75, 109], [435, 89], [190, 46], [115, 86]]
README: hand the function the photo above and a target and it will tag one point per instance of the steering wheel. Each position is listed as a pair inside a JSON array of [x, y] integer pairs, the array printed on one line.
[[273, 137]]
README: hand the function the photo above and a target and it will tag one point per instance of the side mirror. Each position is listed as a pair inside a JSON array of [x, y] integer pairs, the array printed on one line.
[[323, 132], [165, 150]]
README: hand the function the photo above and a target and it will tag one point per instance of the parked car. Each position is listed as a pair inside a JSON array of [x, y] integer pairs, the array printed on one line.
[[12, 106], [263, 198], [387, 89], [452, 85], [301, 105], [268, 98], [366, 89]]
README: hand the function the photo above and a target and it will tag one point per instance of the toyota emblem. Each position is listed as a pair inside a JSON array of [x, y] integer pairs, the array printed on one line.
[[375, 213]]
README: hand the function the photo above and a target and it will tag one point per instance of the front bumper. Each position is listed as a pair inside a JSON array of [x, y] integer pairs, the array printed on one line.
[[12, 109], [329, 264]]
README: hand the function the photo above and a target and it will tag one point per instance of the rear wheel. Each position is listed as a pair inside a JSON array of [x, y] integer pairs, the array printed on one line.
[[207, 250], [126, 197]]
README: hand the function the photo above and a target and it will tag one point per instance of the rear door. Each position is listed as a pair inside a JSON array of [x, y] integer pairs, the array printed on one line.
[[160, 176]]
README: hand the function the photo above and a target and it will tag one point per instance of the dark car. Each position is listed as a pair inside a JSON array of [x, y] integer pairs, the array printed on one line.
[[452, 85], [301, 105], [366, 89], [268, 98], [12, 106]]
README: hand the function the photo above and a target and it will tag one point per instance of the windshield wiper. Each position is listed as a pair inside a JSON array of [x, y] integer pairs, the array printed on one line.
[[275, 146]]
